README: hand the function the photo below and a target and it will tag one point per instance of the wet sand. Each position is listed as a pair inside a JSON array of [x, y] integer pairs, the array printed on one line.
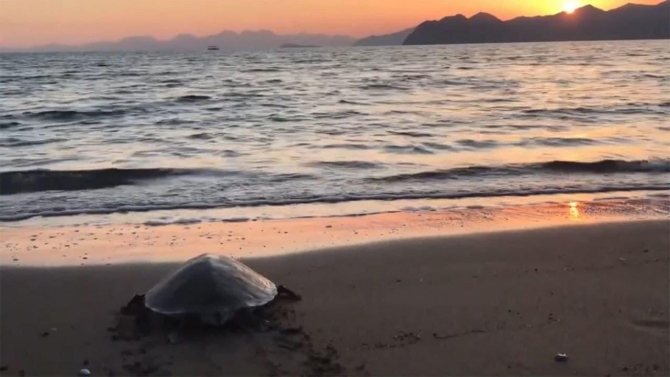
[[500, 303], [69, 244]]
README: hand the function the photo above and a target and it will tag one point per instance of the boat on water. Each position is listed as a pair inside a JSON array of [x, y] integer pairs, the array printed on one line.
[[213, 48]]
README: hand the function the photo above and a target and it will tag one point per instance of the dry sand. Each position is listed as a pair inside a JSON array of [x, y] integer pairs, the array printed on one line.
[[486, 304]]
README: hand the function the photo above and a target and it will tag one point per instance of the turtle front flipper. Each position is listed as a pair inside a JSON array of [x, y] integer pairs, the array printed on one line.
[[283, 292]]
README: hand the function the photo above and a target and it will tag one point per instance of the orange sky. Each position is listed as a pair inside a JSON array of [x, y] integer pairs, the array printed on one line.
[[35, 22]]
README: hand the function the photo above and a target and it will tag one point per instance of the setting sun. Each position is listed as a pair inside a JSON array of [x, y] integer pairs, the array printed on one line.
[[571, 6]]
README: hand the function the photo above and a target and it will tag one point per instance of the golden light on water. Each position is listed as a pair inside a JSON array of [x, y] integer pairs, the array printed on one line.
[[574, 211], [570, 6]]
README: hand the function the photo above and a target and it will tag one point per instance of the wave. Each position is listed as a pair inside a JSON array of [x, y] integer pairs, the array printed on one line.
[[649, 75], [345, 164], [27, 181], [331, 132], [411, 133], [346, 146], [338, 114], [407, 149], [562, 111], [193, 98], [632, 109], [172, 83], [349, 102], [557, 141], [383, 87], [332, 200], [446, 174], [603, 166], [245, 95], [439, 146], [202, 136], [66, 115], [477, 144], [280, 119], [610, 166], [174, 122], [12, 142], [261, 70], [413, 77], [6, 125], [16, 182], [454, 83]]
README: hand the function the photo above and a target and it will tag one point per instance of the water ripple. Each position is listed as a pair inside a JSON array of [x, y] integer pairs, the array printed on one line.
[[329, 125]]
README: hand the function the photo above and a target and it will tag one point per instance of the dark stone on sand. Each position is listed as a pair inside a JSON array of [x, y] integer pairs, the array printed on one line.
[[561, 358]]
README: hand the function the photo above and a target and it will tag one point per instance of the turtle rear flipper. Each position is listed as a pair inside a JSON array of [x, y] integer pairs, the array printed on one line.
[[249, 320], [134, 307]]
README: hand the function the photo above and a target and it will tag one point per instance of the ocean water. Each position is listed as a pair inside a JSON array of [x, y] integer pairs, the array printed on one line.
[[120, 132]]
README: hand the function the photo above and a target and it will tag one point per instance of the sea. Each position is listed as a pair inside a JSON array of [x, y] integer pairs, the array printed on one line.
[[331, 131]]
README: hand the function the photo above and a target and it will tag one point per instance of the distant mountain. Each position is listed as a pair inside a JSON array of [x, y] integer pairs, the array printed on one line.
[[225, 41], [631, 21], [394, 39], [293, 45]]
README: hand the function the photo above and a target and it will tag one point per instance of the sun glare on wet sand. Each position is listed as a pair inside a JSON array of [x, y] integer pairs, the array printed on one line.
[[574, 211], [570, 6]]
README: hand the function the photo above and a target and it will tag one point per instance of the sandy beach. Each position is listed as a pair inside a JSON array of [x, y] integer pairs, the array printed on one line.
[[500, 303], [427, 188]]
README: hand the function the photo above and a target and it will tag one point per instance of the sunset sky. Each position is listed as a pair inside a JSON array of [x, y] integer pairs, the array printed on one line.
[[36, 22]]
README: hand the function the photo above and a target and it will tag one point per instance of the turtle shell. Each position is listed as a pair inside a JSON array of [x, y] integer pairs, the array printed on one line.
[[212, 287]]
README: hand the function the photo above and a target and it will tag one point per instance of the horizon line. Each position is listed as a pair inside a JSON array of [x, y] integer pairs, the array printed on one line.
[[257, 31]]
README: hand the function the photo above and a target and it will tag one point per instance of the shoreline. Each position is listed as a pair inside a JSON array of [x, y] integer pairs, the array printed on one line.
[[111, 243], [422, 306], [646, 201]]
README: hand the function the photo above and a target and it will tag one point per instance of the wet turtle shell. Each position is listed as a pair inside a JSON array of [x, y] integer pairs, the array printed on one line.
[[212, 287]]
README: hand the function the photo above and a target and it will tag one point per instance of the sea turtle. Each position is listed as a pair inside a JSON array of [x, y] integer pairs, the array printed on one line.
[[211, 288]]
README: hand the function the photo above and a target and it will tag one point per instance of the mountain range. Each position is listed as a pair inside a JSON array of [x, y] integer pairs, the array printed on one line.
[[227, 41], [393, 39], [631, 21]]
